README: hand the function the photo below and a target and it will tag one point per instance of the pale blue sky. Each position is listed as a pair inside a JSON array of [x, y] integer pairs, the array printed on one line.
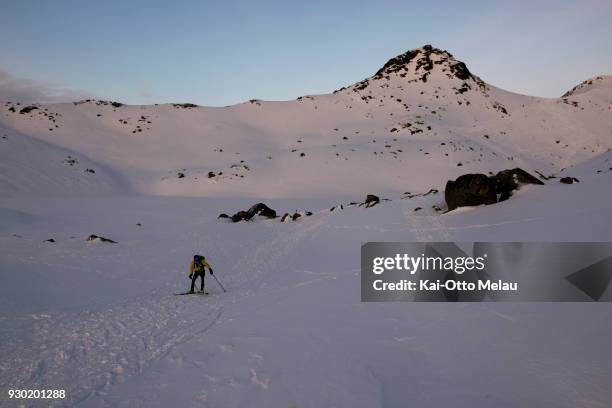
[[217, 54]]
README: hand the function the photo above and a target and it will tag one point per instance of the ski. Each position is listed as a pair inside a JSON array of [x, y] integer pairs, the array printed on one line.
[[191, 293]]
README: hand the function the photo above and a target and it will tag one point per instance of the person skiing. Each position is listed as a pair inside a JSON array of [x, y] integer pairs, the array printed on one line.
[[198, 268]]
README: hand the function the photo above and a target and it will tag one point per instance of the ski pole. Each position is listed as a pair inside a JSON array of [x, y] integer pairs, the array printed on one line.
[[219, 283]]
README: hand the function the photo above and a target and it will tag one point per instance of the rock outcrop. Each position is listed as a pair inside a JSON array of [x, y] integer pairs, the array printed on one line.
[[478, 189], [258, 209], [96, 238]]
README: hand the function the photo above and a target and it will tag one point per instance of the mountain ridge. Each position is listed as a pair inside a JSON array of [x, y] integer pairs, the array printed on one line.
[[423, 118]]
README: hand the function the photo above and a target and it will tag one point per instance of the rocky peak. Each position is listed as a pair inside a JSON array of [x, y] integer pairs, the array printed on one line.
[[419, 64]]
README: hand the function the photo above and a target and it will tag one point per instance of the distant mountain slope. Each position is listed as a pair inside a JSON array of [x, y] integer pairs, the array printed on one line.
[[34, 167], [422, 119]]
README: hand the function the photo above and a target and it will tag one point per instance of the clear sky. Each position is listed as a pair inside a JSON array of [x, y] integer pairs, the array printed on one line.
[[224, 52]]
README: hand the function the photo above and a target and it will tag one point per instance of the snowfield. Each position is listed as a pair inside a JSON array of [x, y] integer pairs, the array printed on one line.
[[101, 320]]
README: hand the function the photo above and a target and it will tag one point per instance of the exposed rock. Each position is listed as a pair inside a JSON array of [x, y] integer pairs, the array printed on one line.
[[293, 217], [507, 181], [370, 201], [477, 189], [257, 209], [71, 161], [97, 238], [185, 105], [181, 175], [569, 180], [263, 210], [544, 177], [501, 108], [241, 216], [420, 63], [583, 84], [469, 190], [28, 109], [407, 194]]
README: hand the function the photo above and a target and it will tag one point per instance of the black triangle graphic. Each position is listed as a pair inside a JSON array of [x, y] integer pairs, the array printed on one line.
[[594, 279]]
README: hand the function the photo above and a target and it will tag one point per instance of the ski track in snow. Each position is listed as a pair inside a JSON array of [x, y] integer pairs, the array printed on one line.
[[98, 348], [105, 347]]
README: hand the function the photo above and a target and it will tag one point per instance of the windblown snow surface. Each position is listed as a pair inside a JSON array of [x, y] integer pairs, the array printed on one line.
[[100, 320]]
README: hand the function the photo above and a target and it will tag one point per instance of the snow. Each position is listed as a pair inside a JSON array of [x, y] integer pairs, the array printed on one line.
[[101, 321]]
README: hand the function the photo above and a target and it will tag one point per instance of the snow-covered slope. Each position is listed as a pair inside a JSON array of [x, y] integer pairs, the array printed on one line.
[[100, 320], [422, 111]]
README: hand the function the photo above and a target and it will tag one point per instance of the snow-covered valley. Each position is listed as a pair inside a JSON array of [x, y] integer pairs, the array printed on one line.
[[101, 321]]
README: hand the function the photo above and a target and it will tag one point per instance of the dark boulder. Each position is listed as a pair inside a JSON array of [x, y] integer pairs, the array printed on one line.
[[257, 209], [263, 210], [569, 180], [469, 190], [370, 201], [241, 216], [507, 181], [477, 189], [28, 109]]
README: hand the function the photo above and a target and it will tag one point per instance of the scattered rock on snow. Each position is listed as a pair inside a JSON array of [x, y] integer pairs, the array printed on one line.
[[97, 238], [293, 217], [407, 194]]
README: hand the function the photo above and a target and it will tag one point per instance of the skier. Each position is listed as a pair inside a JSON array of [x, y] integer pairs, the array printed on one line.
[[198, 268]]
